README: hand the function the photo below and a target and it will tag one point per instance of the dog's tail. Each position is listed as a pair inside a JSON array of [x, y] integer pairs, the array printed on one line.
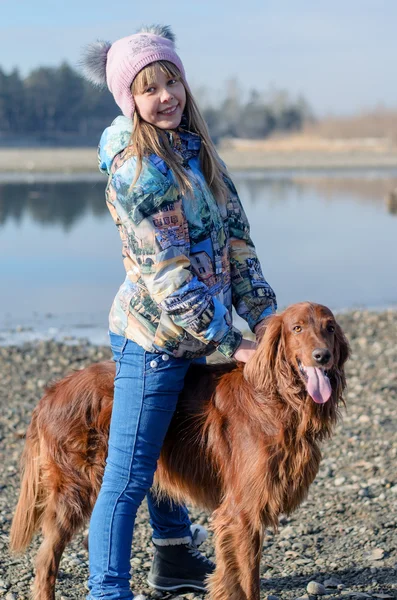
[[28, 510]]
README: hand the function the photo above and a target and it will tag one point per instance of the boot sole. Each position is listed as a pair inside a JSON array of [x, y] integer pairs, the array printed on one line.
[[168, 584]]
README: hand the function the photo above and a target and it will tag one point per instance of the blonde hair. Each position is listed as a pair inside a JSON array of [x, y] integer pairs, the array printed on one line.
[[147, 139]]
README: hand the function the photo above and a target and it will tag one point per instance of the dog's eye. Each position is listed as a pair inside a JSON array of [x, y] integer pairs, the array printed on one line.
[[330, 328], [297, 328]]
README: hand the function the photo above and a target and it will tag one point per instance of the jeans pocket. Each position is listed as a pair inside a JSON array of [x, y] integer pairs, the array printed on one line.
[[156, 364], [164, 377]]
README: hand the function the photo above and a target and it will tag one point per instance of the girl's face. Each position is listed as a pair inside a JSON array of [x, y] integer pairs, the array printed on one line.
[[162, 101]]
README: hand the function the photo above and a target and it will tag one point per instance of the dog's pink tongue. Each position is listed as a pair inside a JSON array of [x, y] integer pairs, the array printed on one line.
[[318, 385]]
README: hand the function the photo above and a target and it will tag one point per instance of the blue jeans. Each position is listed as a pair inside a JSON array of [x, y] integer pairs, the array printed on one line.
[[146, 389]]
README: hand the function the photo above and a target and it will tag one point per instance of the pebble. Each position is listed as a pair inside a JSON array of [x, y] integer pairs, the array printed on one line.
[[346, 529], [377, 554], [316, 589], [339, 481]]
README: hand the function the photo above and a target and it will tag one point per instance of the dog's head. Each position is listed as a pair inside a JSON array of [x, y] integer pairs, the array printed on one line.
[[301, 354]]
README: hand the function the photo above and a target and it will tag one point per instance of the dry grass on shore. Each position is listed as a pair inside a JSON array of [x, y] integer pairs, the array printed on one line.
[[363, 141], [297, 152], [378, 123]]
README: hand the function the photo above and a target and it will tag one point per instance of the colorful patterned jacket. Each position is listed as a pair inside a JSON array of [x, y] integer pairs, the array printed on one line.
[[187, 258]]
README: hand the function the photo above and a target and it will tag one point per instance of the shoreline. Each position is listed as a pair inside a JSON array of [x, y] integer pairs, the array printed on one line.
[[28, 162], [62, 330]]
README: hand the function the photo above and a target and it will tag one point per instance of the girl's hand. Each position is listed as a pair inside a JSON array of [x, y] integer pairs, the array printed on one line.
[[245, 351]]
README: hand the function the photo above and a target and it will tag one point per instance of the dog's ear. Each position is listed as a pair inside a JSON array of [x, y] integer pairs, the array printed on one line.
[[260, 329], [260, 368], [342, 349], [271, 340], [337, 375]]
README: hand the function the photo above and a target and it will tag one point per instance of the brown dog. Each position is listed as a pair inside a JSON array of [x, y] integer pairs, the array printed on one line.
[[244, 443]]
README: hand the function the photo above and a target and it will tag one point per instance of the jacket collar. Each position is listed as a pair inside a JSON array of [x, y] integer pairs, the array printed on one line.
[[184, 141]]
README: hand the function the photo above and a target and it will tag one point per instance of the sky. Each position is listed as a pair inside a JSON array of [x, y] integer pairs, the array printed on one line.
[[339, 54]]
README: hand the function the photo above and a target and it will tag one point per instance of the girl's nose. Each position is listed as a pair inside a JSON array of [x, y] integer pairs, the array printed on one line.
[[165, 96]]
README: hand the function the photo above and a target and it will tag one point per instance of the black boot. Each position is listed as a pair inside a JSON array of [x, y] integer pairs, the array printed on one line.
[[179, 566]]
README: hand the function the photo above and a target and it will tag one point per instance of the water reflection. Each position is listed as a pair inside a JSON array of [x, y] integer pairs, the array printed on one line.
[[66, 203], [330, 240], [51, 203], [363, 190], [391, 202]]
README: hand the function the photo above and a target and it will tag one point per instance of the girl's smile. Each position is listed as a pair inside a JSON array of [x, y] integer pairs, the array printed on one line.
[[169, 111], [162, 102]]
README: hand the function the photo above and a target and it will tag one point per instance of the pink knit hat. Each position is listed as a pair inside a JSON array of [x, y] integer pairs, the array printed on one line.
[[118, 64]]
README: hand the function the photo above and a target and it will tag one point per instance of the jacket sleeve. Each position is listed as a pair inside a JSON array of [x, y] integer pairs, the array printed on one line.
[[253, 298], [158, 246]]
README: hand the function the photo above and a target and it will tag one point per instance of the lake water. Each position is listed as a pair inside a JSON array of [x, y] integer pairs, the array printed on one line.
[[326, 237]]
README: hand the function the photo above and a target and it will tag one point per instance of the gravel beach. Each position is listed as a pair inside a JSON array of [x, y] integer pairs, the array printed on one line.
[[341, 542]]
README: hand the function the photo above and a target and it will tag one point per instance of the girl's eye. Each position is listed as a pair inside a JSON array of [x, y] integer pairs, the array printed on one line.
[[150, 89], [297, 328], [172, 81]]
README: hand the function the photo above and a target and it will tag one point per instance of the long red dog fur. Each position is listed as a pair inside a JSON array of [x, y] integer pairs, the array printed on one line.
[[243, 444]]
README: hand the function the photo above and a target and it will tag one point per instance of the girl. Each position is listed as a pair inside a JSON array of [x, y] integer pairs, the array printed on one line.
[[188, 257]]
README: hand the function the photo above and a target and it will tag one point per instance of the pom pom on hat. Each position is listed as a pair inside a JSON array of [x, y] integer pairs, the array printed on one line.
[[93, 62], [118, 64], [160, 30]]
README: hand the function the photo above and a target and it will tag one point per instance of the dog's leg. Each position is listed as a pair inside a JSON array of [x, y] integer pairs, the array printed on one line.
[[224, 583], [49, 556], [238, 552], [249, 551]]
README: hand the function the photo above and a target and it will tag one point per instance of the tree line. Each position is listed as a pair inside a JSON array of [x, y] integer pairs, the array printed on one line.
[[58, 106]]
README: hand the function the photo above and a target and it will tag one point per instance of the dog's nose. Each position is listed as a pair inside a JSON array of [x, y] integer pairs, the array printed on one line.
[[321, 355]]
